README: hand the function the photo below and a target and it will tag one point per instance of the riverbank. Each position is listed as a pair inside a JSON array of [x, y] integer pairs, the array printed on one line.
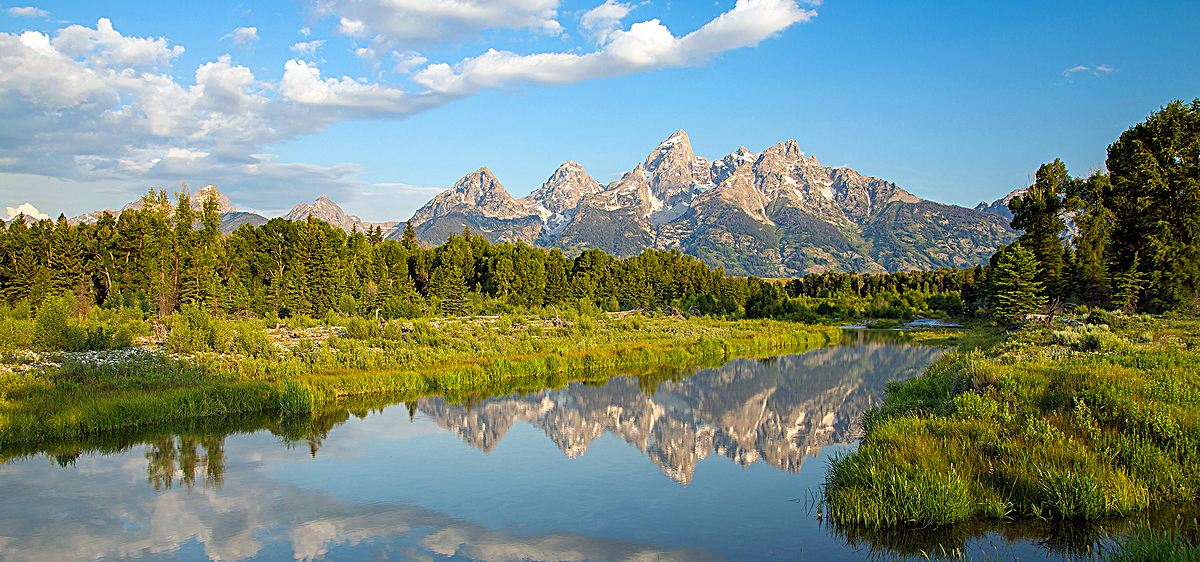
[[457, 358], [1099, 419]]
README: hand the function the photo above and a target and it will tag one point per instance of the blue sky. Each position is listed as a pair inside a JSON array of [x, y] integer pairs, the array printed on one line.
[[955, 101]]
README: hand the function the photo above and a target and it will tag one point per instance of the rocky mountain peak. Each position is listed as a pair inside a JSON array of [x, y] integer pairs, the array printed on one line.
[[788, 151], [325, 209], [999, 207], [477, 193], [224, 205], [725, 167], [481, 188], [674, 171], [631, 191], [565, 187], [321, 208]]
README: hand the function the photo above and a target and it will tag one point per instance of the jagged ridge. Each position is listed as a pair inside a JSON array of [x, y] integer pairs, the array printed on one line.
[[778, 213]]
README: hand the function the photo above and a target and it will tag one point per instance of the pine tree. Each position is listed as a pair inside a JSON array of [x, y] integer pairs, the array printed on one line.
[[409, 239], [1016, 288], [556, 277], [1094, 220], [1128, 286], [1039, 212]]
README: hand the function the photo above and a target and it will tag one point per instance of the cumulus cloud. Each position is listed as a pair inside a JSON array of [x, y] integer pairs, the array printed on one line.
[[302, 83], [428, 20], [243, 35], [1098, 70], [644, 46], [27, 12], [351, 27], [91, 106], [601, 22], [26, 209], [308, 48], [407, 61]]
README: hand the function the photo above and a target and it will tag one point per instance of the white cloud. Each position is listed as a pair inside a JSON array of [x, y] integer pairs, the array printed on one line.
[[26, 209], [375, 50], [351, 27], [601, 22], [92, 115], [107, 46], [308, 48], [645, 45], [243, 35], [27, 12], [1098, 70], [302, 83], [407, 61], [305, 31], [431, 20], [92, 107]]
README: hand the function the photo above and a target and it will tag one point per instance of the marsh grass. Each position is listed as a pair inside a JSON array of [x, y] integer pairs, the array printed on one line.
[[1151, 546], [459, 359], [1077, 424]]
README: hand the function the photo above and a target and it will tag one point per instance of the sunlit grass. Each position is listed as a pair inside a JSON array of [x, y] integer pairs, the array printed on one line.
[[455, 358], [1080, 423]]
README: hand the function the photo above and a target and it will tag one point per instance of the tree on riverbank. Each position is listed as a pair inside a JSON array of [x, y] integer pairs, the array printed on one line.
[[1015, 285], [1136, 243]]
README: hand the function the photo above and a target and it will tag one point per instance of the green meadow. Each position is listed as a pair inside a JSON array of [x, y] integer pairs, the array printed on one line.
[[304, 367], [1096, 420]]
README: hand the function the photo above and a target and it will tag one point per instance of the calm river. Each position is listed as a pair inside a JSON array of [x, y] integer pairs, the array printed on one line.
[[723, 464]]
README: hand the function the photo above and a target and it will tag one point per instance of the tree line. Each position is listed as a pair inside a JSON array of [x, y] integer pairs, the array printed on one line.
[[164, 255]]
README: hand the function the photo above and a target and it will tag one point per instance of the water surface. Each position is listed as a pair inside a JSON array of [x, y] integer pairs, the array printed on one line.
[[722, 463]]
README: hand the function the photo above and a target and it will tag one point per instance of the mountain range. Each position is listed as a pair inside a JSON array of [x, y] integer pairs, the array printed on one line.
[[775, 213]]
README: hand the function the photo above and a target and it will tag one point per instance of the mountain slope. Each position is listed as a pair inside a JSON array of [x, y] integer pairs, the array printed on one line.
[[777, 213], [325, 209], [479, 202], [999, 207]]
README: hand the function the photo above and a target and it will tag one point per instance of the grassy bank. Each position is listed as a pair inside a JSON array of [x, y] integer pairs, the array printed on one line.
[[317, 366], [1096, 420]]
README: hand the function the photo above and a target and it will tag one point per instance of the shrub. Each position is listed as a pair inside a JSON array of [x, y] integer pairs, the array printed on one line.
[[347, 305], [395, 329], [252, 340], [51, 325], [1088, 338], [15, 334], [402, 306], [361, 329], [195, 330]]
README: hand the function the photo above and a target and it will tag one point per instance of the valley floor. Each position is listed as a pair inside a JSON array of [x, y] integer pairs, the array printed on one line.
[[307, 367], [1088, 421]]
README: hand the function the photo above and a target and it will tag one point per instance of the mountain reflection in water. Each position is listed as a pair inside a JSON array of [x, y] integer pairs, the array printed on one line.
[[779, 410], [375, 481]]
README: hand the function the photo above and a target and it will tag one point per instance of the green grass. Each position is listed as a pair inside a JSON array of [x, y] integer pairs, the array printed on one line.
[[455, 358], [1081, 423], [1155, 546]]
